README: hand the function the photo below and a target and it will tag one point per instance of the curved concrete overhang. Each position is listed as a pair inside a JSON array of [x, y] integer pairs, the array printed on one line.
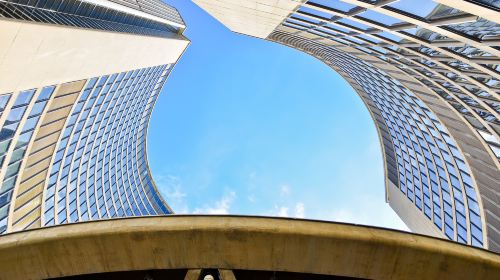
[[238, 242]]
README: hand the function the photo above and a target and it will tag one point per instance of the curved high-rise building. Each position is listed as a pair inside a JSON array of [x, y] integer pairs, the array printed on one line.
[[78, 82], [428, 72]]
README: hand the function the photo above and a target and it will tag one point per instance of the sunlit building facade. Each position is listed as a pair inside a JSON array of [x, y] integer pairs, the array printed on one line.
[[428, 72], [78, 82]]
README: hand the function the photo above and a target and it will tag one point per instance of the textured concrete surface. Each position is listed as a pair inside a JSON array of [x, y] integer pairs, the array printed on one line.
[[256, 18], [236, 242], [27, 49]]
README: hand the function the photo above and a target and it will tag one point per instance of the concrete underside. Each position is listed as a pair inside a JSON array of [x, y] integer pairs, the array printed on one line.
[[238, 243]]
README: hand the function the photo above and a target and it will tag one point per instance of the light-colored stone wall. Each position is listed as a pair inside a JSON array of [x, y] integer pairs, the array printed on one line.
[[34, 54], [256, 18]]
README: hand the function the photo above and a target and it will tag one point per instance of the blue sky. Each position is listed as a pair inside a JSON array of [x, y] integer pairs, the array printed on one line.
[[246, 126]]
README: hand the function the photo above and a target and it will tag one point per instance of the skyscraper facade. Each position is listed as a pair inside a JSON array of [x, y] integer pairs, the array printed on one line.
[[78, 82], [428, 72]]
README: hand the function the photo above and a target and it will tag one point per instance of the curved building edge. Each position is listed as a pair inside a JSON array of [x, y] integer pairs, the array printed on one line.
[[171, 211], [405, 210]]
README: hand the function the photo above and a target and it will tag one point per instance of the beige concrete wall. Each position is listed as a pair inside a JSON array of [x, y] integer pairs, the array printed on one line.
[[251, 243], [34, 54], [256, 18]]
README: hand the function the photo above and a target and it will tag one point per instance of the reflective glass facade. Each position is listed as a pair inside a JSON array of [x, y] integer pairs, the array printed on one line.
[[153, 7], [432, 171], [99, 169], [428, 73], [449, 50], [88, 15], [17, 152]]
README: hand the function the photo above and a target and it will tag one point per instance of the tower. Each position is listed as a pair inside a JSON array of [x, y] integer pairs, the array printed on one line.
[[79, 80]]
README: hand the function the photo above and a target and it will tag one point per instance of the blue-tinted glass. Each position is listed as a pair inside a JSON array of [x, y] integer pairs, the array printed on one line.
[[24, 97], [30, 123], [353, 23], [476, 233], [23, 139], [4, 99], [12, 169], [37, 108], [4, 146], [17, 155], [7, 132], [45, 93], [15, 115], [378, 17], [390, 36]]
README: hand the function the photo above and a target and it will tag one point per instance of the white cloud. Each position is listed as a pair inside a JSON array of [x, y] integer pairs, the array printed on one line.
[[282, 212], [171, 188], [285, 211], [284, 190], [299, 210], [382, 218], [221, 206]]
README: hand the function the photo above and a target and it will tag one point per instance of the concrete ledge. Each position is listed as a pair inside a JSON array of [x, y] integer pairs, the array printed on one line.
[[238, 242]]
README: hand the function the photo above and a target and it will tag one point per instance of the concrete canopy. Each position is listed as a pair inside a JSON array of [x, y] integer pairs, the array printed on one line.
[[238, 242]]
